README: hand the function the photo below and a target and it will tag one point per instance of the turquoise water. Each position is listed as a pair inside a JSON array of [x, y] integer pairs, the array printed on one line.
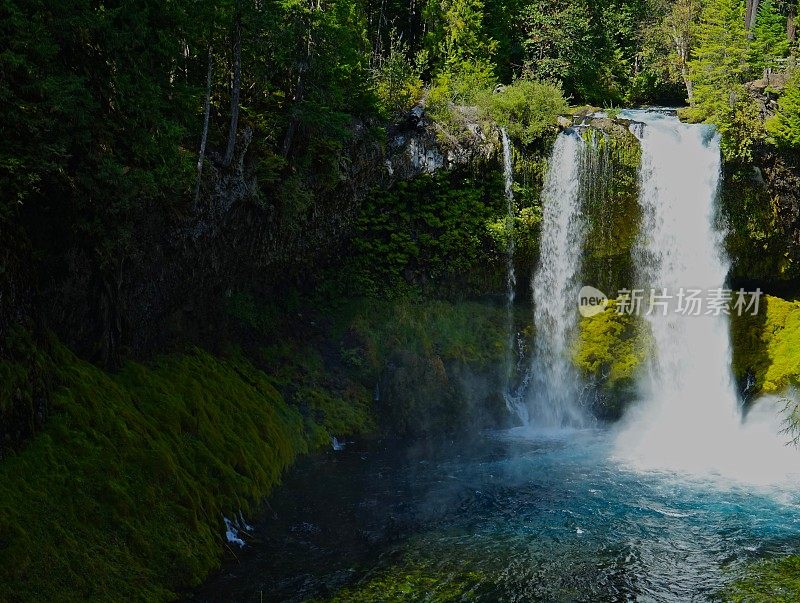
[[511, 516]]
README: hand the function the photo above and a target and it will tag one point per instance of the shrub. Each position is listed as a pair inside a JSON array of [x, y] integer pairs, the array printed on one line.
[[526, 108], [397, 79]]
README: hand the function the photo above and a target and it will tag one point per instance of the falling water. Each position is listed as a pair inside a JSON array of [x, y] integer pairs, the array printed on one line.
[[513, 402], [689, 419], [552, 395]]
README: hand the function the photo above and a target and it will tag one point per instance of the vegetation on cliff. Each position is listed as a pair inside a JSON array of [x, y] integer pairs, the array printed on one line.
[[765, 346], [609, 350]]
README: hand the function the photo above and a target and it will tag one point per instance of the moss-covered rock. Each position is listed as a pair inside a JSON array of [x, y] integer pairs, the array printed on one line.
[[412, 584], [766, 347], [609, 350], [760, 209], [611, 204], [436, 364]]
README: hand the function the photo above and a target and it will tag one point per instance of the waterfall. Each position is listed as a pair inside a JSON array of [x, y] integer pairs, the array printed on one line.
[[513, 403], [689, 418], [552, 391]]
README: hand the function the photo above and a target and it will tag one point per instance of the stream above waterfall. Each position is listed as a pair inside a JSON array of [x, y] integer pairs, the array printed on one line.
[[516, 515]]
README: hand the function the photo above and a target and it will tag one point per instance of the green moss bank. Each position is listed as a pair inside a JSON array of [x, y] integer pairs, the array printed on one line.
[[123, 493], [766, 347], [768, 582], [610, 348]]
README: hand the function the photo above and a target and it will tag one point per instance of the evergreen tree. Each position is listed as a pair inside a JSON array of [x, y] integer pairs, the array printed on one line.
[[769, 41], [718, 70], [720, 58], [783, 128]]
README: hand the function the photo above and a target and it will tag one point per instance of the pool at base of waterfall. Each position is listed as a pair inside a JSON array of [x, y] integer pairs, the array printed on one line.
[[517, 515]]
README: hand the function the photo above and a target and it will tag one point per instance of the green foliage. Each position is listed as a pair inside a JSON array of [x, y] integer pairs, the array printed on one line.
[[560, 43], [767, 346], [458, 86], [718, 69], [591, 47], [526, 108], [456, 37], [460, 51], [612, 347], [429, 230], [667, 40], [397, 79], [768, 582], [769, 40], [783, 128]]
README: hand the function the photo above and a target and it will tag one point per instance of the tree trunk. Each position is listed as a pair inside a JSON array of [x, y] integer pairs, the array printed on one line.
[[236, 87], [297, 97], [750, 14], [791, 26], [204, 138], [688, 83]]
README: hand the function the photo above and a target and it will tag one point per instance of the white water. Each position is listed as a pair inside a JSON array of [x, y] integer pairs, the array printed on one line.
[[513, 402], [552, 395], [689, 419]]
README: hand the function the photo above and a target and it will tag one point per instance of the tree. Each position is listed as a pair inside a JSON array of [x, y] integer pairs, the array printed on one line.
[[679, 27], [783, 128], [718, 70], [719, 63], [769, 41]]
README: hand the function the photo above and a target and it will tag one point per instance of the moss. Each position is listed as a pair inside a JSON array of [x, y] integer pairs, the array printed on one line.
[[609, 350], [327, 396], [463, 331], [759, 237], [412, 582], [767, 346], [768, 582], [433, 363], [612, 209], [25, 385], [121, 496]]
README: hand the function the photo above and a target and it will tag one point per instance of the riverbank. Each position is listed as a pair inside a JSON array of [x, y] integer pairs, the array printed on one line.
[[123, 493]]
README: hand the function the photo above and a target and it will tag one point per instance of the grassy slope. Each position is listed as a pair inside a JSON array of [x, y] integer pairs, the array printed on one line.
[[122, 495]]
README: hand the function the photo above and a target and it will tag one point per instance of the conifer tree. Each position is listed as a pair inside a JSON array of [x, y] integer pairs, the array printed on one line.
[[769, 41], [720, 59], [783, 128]]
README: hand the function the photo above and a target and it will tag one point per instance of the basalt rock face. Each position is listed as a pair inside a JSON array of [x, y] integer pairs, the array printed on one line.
[[178, 265], [766, 91], [418, 145], [760, 207]]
